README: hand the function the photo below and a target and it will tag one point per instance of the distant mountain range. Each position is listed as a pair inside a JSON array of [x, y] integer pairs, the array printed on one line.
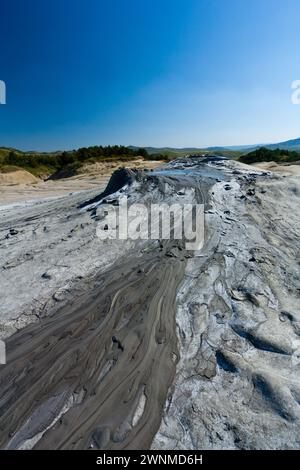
[[235, 150], [293, 144]]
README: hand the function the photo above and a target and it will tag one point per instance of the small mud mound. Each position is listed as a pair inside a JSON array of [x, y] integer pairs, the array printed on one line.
[[119, 179], [17, 177], [70, 170]]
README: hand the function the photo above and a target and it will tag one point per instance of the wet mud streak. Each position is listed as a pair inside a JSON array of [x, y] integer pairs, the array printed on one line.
[[96, 372], [101, 370]]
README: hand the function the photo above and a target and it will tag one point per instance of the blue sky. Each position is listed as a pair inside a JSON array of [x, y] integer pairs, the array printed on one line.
[[148, 72]]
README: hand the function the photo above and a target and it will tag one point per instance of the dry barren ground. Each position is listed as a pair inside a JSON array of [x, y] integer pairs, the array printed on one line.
[[22, 187], [123, 344], [286, 169]]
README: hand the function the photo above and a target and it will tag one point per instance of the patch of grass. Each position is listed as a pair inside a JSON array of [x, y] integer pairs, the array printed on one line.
[[9, 168], [41, 171], [64, 164]]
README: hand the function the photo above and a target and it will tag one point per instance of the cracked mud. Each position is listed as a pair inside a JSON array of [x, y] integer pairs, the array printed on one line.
[[137, 344]]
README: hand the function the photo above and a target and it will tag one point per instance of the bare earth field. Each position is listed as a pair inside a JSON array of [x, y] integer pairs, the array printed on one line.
[[22, 186], [132, 344], [287, 169]]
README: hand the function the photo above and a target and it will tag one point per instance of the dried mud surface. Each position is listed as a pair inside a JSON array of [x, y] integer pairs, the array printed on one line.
[[135, 344]]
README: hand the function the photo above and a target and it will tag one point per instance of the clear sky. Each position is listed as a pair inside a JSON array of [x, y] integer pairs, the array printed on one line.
[[148, 72]]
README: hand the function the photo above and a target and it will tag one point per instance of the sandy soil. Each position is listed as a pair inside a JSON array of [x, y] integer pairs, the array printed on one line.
[[109, 167], [293, 170], [17, 177], [21, 186]]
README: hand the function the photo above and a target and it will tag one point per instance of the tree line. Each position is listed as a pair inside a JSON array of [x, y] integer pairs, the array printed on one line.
[[60, 160]]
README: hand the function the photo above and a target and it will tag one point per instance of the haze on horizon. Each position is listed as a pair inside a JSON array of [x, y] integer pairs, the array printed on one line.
[[174, 73]]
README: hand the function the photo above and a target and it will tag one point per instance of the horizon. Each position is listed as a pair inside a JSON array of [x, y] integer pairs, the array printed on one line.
[[150, 219], [200, 71], [259, 144]]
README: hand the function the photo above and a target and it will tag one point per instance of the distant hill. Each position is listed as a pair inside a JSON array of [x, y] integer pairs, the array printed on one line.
[[187, 150], [174, 152], [293, 144], [44, 164], [6, 150], [64, 164], [264, 154]]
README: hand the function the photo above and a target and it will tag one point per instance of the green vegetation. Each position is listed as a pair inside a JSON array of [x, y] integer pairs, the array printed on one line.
[[67, 163], [170, 153], [9, 168], [264, 154]]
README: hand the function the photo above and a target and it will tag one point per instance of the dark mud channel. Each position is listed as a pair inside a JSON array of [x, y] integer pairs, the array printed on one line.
[[96, 373]]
